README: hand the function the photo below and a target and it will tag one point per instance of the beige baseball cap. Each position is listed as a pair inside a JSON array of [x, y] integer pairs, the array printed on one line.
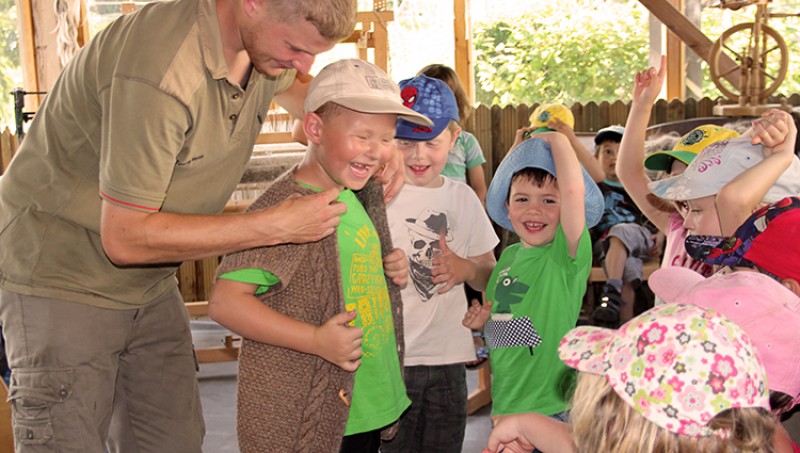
[[361, 86]]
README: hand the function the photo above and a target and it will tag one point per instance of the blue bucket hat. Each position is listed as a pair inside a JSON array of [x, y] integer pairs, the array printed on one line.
[[432, 98], [534, 153]]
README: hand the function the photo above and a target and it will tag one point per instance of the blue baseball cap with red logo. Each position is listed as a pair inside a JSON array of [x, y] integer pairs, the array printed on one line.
[[432, 98]]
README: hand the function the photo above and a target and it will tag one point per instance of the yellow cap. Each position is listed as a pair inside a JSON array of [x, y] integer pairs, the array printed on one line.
[[541, 117], [689, 146]]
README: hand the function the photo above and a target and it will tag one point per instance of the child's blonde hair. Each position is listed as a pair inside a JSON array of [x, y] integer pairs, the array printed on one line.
[[602, 421], [334, 19], [449, 76]]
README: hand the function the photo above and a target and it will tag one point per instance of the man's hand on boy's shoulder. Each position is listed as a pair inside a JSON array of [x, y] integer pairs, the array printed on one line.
[[308, 218], [395, 266]]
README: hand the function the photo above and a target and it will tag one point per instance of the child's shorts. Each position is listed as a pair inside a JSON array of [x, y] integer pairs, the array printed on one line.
[[638, 240]]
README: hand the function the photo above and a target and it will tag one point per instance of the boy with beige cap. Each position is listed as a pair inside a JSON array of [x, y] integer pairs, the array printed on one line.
[[321, 357]]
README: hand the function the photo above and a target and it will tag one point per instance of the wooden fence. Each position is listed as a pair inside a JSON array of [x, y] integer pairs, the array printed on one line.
[[8, 146]]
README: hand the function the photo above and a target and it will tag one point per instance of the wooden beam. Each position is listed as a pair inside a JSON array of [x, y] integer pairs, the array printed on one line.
[[83, 27], [676, 74], [48, 64], [462, 31], [27, 44], [690, 35]]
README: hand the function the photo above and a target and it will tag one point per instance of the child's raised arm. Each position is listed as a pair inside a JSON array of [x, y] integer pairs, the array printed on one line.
[[571, 187], [586, 158], [234, 305], [630, 159], [740, 197]]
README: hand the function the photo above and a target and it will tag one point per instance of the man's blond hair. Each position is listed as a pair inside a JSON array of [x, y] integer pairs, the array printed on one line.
[[602, 421], [334, 19]]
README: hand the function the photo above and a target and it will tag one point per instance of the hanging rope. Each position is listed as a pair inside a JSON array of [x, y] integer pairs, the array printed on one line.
[[68, 16]]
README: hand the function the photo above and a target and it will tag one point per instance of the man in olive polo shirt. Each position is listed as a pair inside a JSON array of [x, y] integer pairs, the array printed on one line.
[[122, 175]]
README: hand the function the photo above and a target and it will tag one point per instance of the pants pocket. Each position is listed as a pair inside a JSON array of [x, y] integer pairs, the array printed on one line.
[[34, 394]]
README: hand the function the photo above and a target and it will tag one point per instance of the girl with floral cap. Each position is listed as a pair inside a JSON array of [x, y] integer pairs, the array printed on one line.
[[675, 378]]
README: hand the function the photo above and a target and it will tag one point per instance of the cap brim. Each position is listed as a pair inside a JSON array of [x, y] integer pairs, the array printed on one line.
[[409, 131], [607, 135], [683, 187], [585, 349], [670, 283], [661, 160], [535, 153], [384, 106]]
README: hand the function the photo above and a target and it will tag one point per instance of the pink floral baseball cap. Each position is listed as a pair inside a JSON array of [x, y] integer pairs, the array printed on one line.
[[766, 310], [677, 365]]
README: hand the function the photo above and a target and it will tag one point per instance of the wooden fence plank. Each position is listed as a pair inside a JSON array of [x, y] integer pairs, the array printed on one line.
[[8, 147]]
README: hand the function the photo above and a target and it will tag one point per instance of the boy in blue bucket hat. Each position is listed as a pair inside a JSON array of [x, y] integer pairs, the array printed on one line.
[[534, 296]]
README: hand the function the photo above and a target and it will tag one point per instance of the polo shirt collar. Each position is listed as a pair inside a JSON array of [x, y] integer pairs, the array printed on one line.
[[210, 39]]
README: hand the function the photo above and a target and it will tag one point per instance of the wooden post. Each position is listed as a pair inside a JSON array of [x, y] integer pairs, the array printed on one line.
[[27, 45], [462, 31], [676, 78]]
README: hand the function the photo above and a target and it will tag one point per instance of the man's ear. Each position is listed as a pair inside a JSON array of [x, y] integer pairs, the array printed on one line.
[[312, 127], [251, 7], [792, 284]]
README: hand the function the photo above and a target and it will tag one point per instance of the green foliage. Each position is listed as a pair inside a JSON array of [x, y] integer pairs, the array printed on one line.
[[10, 73], [568, 52], [589, 50]]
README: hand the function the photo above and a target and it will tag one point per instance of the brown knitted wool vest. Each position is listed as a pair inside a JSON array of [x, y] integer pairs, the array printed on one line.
[[288, 401]]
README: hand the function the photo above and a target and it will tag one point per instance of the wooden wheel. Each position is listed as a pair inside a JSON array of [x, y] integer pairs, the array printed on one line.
[[762, 69]]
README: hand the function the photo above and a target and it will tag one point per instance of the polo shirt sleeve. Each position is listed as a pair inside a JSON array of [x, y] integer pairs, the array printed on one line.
[[143, 132]]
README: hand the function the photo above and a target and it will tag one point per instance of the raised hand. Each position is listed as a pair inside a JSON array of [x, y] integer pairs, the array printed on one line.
[[648, 83], [776, 131], [338, 342], [477, 315], [395, 266], [560, 126]]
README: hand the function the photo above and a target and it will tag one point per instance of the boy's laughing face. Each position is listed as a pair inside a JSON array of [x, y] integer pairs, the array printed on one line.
[[352, 147], [425, 160], [534, 211]]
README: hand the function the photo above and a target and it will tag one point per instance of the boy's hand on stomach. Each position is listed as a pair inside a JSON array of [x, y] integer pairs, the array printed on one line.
[[338, 342]]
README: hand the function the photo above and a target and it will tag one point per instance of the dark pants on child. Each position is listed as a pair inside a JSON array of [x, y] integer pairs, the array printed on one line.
[[369, 442], [437, 418]]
